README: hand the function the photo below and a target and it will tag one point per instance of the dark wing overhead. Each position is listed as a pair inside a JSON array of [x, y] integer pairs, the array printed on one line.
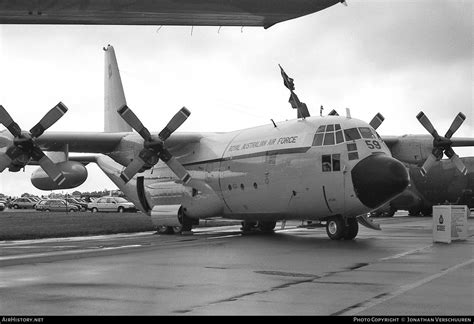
[[98, 142], [262, 13]]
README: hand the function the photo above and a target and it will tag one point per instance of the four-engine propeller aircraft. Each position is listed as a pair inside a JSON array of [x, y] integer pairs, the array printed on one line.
[[328, 168], [159, 12]]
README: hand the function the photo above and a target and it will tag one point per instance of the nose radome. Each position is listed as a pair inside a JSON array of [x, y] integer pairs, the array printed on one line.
[[378, 178]]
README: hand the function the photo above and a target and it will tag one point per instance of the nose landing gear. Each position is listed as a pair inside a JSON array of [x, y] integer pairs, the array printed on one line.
[[339, 228]]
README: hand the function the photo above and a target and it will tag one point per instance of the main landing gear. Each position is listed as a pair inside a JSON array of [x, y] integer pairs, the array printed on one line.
[[186, 225], [339, 228], [261, 226]]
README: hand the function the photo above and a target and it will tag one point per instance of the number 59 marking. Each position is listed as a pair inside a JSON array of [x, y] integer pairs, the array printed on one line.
[[373, 145]]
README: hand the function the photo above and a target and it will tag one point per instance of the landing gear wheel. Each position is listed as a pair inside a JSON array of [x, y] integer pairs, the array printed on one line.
[[165, 229], [352, 229], [413, 212], [248, 226], [266, 226], [335, 228]]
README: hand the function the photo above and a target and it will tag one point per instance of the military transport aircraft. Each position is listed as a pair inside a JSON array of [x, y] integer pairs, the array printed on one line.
[[263, 13], [322, 168]]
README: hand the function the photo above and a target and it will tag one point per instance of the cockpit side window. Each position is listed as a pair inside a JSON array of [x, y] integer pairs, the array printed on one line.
[[321, 129], [351, 134], [366, 132], [318, 139]]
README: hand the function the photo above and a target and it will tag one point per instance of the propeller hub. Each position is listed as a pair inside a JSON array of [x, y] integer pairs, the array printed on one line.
[[442, 142]]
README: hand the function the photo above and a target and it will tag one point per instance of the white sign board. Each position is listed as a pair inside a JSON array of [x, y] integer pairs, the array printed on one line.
[[449, 223]]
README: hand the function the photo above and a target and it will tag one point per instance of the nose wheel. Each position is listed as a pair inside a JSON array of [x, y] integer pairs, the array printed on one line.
[[339, 228]]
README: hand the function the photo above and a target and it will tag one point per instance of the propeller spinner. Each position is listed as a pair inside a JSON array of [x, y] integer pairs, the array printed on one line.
[[442, 144], [153, 146], [24, 147]]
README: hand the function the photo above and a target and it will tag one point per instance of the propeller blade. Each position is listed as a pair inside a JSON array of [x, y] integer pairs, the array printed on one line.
[[428, 164], [179, 170], [175, 166], [48, 120], [459, 164], [427, 124], [377, 121], [129, 116], [132, 169], [456, 160], [4, 161], [48, 166], [457, 122], [8, 122], [178, 119]]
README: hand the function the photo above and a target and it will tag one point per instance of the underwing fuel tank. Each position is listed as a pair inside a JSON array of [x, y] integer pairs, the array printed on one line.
[[74, 172]]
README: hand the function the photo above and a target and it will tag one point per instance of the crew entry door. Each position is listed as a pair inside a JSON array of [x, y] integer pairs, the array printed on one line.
[[333, 185]]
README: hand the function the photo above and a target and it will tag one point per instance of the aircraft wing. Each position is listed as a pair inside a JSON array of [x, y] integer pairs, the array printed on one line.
[[89, 142], [390, 140], [462, 141], [456, 141], [99, 142], [159, 12]]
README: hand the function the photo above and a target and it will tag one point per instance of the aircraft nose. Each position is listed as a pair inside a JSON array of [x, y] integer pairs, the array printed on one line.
[[378, 178]]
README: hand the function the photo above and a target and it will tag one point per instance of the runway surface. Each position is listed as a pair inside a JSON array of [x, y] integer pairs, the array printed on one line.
[[217, 271]]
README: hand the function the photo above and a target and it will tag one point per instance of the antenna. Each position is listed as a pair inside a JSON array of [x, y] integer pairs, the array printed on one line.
[[273, 123], [348, 113]]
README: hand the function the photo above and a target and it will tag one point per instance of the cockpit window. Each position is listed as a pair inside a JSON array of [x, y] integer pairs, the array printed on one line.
[[321, 129], [318, 139], [351, 134], [329, 139], [366, 132], [328, 135], [339, 137]]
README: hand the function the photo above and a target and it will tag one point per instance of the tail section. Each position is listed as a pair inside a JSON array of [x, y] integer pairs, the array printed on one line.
[[114, 97]]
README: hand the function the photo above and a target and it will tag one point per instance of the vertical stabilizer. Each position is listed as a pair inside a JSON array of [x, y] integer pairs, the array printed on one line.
[[114, 97]]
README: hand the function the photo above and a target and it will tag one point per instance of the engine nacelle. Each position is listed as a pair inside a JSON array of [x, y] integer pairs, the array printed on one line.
[[74, 172], [412, 149]]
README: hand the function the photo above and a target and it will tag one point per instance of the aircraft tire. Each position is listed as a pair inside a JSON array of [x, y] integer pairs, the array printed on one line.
[[248, 226], [267, 226], [181, 228], [165, 229], [352, 229], [335, 228]]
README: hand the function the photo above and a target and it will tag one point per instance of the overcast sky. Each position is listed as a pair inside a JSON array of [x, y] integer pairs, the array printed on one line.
[[393, 57]]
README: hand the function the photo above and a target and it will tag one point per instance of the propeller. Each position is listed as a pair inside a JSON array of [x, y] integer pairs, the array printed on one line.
[[24, 146], [442, 144], [377, 121], [153, 146]]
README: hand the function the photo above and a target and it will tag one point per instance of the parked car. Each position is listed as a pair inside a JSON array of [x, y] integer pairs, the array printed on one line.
[[82, 204], [56, 205], [23, 203], [114, 204]]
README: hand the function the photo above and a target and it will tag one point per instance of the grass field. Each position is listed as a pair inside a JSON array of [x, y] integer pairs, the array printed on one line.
[[23, 225]]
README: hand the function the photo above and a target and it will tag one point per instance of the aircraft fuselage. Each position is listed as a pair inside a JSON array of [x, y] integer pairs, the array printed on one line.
[[299, 169]]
